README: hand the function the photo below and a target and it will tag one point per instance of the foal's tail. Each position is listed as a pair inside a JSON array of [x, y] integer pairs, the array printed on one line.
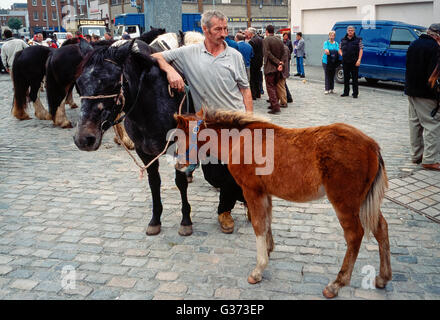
[[370, 208]]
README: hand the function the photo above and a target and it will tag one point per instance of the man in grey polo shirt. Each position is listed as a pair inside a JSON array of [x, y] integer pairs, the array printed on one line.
[[217, 79]]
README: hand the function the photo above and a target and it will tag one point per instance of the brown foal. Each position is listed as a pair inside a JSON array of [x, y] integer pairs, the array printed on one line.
[[336, 160]]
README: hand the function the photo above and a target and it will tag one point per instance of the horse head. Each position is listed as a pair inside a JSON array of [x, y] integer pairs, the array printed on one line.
[[109, 80]]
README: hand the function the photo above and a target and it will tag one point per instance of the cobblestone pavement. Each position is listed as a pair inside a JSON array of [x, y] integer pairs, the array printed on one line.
[[78, 218]]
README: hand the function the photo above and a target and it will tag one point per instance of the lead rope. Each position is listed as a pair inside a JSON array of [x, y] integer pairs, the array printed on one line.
[[145, 167]]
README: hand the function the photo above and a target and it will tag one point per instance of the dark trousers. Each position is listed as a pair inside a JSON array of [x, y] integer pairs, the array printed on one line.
[[219, 176], [271, 87], [289, 96], [351, 71], [329, 72], [256, 78]]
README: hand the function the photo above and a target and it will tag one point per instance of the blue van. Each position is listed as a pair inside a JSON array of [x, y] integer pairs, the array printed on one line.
[[385, 46]]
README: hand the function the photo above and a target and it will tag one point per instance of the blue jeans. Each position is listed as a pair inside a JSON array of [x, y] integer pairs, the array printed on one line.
[[300, 65]]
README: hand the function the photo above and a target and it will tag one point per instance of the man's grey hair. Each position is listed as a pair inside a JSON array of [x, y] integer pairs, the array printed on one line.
[[351, 27], [208, 15], [252, 30]]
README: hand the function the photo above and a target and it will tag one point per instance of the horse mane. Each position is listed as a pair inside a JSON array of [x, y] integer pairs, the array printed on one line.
[[73, 40], [149, 36], [102, 43], [231, 119]]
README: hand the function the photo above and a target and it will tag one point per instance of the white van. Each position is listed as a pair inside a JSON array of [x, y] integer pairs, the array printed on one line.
[[61, 37]]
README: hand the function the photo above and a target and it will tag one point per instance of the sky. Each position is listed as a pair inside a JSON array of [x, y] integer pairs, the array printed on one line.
[[6, 4]]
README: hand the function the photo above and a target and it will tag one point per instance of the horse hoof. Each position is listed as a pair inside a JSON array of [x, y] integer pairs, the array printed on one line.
[[22, 116], [129, 145], [185, 230], [329, 293], [252, 280], [380, 283], [153, 230], [66, 125]]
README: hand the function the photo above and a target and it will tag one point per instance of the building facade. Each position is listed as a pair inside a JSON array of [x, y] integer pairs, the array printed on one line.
[[315, 18], [51, 15], [19, 11], [262, 12]]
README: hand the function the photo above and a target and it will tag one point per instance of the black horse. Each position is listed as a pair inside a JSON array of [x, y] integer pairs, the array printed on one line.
[[61, 67], [28, 73], [128, 78]]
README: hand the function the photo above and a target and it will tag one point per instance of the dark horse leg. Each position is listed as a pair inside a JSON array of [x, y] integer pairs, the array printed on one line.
[[154, 182], [186, 224]]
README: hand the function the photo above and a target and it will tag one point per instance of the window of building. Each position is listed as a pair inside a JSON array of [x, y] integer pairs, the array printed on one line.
[[44, 16], [34, 3], [35, 15], [52, 3], [54, 15], [401, 39], [43, 3]]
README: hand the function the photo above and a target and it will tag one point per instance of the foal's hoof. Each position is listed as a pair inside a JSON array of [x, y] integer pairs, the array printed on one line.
[[252, 280], [64, 125], [153, 230], [185, 230], [329, 293], [380, 283]]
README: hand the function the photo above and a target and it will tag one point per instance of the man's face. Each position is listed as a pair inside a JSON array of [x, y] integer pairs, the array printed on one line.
[[298, 37], [218, 31], [248, 35], [40, 37], [350, 32], [106, 36]]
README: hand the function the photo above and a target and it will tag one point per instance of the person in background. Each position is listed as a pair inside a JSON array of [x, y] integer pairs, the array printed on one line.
[[78, 34], [300, 53], [288, 43], [88, 38], [246, 51], [95, 38], [330, 61], [50, 43], [424, 127], [256, 62], [55, 40], [126, 36], [108, 36], [9, 49], [273, 52], [69, 36], [351, 50], [281, 84]]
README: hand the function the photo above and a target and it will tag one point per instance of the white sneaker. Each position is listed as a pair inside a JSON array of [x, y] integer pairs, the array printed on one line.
[[331, 91], [326, 92]]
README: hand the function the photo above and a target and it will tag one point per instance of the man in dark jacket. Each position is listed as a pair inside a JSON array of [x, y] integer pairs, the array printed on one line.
[[256, 62], [273, 52], [421, 59], [351, 50]]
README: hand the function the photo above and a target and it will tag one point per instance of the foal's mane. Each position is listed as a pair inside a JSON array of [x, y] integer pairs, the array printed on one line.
[[231, 119]]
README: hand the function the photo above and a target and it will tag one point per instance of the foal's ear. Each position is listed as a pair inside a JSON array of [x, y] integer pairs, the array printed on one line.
[[181, 122], [201, 113]]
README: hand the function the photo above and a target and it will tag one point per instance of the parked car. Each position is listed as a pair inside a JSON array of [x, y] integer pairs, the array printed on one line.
[[2, 67], [385, 46]]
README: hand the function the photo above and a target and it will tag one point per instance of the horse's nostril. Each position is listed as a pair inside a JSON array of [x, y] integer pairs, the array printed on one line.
[[89, 140]]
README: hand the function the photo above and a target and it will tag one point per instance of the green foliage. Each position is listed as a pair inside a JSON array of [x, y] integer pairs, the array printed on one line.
[[15, 24]]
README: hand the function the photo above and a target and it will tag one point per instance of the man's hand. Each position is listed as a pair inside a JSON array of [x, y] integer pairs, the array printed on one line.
[[174, 78], [358, 63]]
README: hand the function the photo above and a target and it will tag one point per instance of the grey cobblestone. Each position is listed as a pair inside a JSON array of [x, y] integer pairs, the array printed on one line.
[[92, 216]]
